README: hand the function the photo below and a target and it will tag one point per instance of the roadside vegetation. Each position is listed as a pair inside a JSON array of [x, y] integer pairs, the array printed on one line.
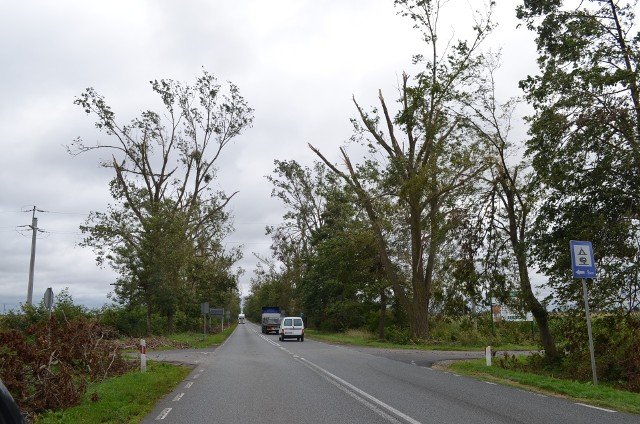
[[72, 366]]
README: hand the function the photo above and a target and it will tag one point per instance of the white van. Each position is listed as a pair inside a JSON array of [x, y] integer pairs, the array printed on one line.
[[291, 328], [241, 319]]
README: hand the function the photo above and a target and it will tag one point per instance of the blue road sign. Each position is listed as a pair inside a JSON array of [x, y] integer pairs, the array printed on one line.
[[582, 262]]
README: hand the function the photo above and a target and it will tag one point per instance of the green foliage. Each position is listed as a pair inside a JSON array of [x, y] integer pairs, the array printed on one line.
[[164, 230], [616, 340], [584, 143], [131, 321], [424, 160], [62, 309]]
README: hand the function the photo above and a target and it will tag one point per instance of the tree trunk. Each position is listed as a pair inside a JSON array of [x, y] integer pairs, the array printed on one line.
[[539, 313], [148, 317], [516, 235], [383, 314], [170, 323]]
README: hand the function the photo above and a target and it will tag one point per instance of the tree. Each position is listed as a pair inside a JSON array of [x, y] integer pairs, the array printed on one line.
[[585, 142], [165, 211], [426, 171], [343, 282], [513, 195], [302, 190]]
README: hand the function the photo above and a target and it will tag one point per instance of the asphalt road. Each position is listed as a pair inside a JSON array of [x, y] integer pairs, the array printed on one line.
[[253, 378]]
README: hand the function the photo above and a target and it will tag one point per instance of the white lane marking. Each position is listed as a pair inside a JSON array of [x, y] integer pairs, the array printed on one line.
[[202, 370], [163, 414], [178, 397], [188, 385], [354, 392], [196, 376], [493, 384], [595, 407]]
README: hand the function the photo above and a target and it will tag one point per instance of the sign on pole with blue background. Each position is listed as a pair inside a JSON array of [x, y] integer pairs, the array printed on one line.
[[582, 262]]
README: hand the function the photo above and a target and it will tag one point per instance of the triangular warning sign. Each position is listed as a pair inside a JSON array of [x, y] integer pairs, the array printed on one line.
[[581, 252]]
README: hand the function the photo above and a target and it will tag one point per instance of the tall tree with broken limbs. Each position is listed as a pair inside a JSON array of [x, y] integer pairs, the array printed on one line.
[[512, 196], [167, 221], [424, 160]]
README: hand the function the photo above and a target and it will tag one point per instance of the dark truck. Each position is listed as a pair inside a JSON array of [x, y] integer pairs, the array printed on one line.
[[271, 317]]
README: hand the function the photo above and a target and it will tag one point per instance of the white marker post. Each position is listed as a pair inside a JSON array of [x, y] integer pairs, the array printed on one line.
[[487, 355], [143, 355]]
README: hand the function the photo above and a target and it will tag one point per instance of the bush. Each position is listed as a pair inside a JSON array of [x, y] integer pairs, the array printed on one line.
[[397, 335], [616, 340], [49, 366]]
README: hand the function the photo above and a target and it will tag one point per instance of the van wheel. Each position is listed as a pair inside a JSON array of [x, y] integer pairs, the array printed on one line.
[[302, 338]]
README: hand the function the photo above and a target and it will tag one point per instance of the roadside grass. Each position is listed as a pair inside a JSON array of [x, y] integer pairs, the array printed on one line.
[[363, 338], [601, 395], [125, 399], [199, 340]]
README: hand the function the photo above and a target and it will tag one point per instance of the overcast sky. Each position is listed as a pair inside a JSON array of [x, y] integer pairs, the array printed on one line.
[[297, 63]]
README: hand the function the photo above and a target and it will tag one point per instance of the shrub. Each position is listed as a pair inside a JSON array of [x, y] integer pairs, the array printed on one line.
[[48, 367]]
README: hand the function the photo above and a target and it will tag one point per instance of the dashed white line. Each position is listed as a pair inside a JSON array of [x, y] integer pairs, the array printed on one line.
[[178, 397], [196, 376], [163, 414], [493, 384], [188, 385]]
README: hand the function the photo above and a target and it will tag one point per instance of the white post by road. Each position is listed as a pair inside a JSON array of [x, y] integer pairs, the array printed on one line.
[[487, 355], [143, 355]]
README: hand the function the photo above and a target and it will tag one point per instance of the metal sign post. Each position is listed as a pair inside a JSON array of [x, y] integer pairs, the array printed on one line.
[[204, 308], [584, 267], [217, 313]]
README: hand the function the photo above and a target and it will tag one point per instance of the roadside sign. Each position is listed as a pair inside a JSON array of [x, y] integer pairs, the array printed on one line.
[[215, 312], [48, 298], [584, 266], [582, 262], [204, 307]]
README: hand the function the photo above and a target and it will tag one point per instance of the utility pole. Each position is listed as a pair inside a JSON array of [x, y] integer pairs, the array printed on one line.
[[34, 227]]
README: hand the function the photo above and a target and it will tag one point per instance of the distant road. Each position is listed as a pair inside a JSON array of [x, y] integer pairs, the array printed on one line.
[[255, 379]]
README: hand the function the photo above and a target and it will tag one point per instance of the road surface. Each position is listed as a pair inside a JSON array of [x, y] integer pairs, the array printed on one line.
[[254, 378]]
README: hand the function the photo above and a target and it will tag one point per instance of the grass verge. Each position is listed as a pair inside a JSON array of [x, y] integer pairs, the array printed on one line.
[[361, 338], [199, 340], [601, 395], [125, 399]]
